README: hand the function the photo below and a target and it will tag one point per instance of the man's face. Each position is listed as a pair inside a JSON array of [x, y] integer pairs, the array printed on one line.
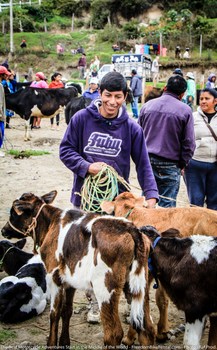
[[111, 102]]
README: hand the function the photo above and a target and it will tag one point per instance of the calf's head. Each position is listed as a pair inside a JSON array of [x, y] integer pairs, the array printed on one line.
[[7, 247], [24, 213], [152, 233], [123, 204]]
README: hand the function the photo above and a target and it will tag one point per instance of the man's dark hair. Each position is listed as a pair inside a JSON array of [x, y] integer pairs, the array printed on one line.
[[113, 81], [134, 72], [176, 84]]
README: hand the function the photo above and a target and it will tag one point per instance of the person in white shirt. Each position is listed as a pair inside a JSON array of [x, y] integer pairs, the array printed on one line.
[[186, 54], [155, 70]]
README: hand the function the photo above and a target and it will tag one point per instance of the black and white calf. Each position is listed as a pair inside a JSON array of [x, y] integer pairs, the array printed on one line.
[[12, 257], [186, 267], [24, 295]]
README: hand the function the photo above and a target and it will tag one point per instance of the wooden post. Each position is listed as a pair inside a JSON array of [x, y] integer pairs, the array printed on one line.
[[161, 43], [45, 25], [201, 42], [21, 27], [73, 17], [11, 28]]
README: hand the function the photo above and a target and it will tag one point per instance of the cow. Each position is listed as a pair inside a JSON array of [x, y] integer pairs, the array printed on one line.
[[189, 221], [152, 92], [12, 257], [43, 103], [186, 267], [87, 251], [24, 295], [75, 105], [71, 84], [82, 102]]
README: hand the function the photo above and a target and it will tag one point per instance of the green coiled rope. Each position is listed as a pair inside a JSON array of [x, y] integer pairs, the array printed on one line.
[[101, 187]]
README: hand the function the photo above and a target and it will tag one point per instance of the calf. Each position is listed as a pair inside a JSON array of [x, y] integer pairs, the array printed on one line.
[[188, 221], [43, 103], [83, 251], [23, 296], [187, 270], [12, 257]]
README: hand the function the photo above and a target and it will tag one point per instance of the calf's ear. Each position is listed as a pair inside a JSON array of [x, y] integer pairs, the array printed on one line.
[[20, 206], [20, 244], [107, 207], [171, 232], [140, 202], [49, 197]]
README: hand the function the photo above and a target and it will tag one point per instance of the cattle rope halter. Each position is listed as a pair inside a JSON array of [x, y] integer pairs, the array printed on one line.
[[150, 266], [2, 259], [31, 227]]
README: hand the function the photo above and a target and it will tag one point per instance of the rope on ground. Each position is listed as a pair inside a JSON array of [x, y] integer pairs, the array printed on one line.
[[101, 187]]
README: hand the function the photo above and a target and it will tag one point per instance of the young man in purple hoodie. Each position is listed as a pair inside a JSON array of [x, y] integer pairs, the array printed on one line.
[[104, 133]]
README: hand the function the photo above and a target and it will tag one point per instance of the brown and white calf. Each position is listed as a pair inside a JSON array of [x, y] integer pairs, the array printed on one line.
[[186, 267], [83, 251], [188, 221]]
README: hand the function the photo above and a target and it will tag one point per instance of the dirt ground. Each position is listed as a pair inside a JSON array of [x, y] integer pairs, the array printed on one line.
[[41, 174]]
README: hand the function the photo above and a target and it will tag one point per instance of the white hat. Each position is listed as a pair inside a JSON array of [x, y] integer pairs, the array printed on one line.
[[93, 80], [190, 75]]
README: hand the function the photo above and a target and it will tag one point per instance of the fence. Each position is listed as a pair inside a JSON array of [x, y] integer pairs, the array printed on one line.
[[20, 3]]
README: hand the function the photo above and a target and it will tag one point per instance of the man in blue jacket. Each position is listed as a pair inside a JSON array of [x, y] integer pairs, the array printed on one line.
[[136, 87], [169, 132]]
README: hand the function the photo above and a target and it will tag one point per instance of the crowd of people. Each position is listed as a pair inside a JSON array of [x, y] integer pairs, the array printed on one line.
[[165, 139], [178, 140]]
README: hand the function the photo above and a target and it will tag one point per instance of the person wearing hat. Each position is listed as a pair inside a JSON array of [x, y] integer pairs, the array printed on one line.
[[39, 82], [169, 132], [3, 75], [191, 89], [93, 91], [136, 87], [211, 81], [178, 71], [201, 173]]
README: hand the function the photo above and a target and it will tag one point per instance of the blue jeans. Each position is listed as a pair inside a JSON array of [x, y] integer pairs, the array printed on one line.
[[2, 132], [167, 176], [201, 183], [134, 106]]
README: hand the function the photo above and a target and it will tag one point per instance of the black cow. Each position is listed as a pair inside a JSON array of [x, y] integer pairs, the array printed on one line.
[[43, 103], [75, 105]]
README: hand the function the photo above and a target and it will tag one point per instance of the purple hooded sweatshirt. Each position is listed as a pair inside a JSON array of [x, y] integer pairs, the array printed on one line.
[[168, 126], [210, 84], [91, 138]]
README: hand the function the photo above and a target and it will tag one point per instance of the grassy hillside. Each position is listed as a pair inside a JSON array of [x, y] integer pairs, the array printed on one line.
[[41, 55]]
